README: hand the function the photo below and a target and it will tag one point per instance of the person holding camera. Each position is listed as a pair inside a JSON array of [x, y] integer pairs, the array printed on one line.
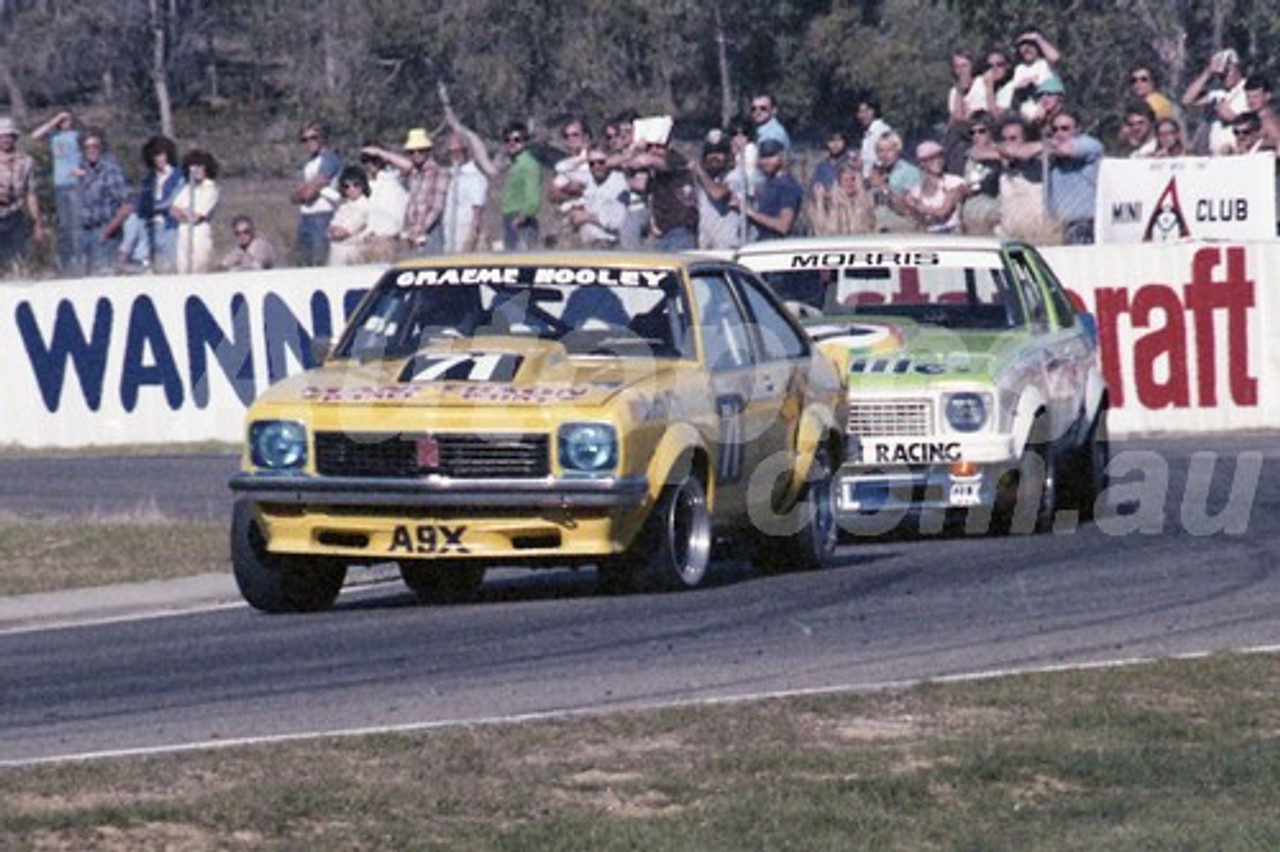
[[890, 180], [1222, 102]]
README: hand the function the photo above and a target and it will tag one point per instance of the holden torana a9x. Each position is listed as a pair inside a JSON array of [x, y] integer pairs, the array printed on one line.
[[974, 389], [622, 411]]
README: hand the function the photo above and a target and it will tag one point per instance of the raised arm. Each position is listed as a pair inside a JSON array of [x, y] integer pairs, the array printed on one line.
[[479, 153]]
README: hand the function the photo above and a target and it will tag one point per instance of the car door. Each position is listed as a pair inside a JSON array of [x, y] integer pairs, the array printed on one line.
[[1073, 344], [1058, 348], [730, 358], [783, 375]]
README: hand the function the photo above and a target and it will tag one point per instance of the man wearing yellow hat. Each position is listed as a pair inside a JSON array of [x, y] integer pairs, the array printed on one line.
[[427, 183]]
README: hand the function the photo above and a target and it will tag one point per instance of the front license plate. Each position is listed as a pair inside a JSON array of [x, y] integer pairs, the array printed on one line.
[[427, 539], [965, 493]]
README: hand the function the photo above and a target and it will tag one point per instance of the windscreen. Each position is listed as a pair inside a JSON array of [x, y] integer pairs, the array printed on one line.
[[965, 290], [592, 311]]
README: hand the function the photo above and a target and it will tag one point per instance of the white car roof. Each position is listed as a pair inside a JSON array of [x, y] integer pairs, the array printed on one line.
[[875, 251], [940, 243]]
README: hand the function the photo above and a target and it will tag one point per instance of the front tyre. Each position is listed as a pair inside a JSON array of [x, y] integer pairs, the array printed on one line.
[[1030, 505], [680, 553], [672, 551], [274, 582]]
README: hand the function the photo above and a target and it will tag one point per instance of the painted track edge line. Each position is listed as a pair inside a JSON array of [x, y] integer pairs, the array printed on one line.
[[589, 712]]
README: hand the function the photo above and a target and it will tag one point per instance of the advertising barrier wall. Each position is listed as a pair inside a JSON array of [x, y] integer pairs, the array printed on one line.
[[1187, 334], [159, 359]]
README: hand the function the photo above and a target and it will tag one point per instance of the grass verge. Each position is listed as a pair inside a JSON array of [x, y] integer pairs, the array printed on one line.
[[1173, 755], [75, 553]]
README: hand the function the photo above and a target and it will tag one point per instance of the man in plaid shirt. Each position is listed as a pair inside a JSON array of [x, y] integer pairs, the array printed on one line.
[[18, 199], [428, 185], [103, 192]]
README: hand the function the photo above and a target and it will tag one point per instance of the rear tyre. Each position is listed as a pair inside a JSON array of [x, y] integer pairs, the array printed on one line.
[[434, 584], [274, 582], [813, 545]]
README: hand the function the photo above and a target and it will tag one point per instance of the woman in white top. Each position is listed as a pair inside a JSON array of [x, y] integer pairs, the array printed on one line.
[[193, 207], [350, 222], [935, 202]]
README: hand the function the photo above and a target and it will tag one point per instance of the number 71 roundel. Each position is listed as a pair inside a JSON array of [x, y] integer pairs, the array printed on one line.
[[462, 367]]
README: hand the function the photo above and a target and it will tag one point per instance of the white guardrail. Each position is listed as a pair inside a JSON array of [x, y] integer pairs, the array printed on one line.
[[1188, 335]]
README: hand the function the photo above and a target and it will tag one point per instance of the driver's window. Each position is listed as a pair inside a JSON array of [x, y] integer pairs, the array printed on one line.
[[724, 342], [1037, 312]]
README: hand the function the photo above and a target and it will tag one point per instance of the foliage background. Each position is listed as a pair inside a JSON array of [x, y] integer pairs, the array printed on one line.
[[239, 77], [256, 68]]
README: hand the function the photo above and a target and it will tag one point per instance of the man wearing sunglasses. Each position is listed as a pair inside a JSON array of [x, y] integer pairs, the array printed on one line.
[[764, 115], [1142, 85], [1074, 158], [521, 191], [252, 250], [315, 208]]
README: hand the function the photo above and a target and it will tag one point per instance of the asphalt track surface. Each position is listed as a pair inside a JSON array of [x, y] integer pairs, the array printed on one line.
[[1184, 564]]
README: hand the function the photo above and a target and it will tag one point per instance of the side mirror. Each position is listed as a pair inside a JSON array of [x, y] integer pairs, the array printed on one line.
[[321, 347], [802, 310]]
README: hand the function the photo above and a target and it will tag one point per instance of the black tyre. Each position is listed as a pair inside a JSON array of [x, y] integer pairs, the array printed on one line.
[[1030, 505], [276, 583], [436, 584], [813, 544], [1091, 476]]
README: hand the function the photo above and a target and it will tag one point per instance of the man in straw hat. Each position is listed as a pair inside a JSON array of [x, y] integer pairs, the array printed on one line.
[[18, 199], [428, 183]]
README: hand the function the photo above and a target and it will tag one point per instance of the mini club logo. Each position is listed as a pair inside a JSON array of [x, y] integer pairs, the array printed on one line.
[[1167, 222]]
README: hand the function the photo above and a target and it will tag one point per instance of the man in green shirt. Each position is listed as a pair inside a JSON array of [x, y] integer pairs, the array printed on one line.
[[521, 191]]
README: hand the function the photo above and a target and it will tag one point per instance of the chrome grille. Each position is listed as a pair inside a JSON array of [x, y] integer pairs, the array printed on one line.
[[891, 417], [464, 456]]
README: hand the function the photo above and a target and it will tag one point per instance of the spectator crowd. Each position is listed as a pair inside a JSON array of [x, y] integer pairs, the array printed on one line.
[[1013, 158]]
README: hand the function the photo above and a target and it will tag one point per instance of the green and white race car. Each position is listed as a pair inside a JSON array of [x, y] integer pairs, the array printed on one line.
[[974, 388]]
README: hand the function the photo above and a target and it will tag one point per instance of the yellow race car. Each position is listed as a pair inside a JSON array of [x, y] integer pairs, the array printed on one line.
[[626, 411]]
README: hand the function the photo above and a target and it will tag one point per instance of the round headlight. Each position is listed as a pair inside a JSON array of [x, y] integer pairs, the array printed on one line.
[[278, 444], [588, 448], [966, 412]]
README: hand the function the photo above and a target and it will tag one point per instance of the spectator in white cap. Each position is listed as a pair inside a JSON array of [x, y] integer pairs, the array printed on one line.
[[1223, 102], [428, 183], [935, 201], [18, 200]]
